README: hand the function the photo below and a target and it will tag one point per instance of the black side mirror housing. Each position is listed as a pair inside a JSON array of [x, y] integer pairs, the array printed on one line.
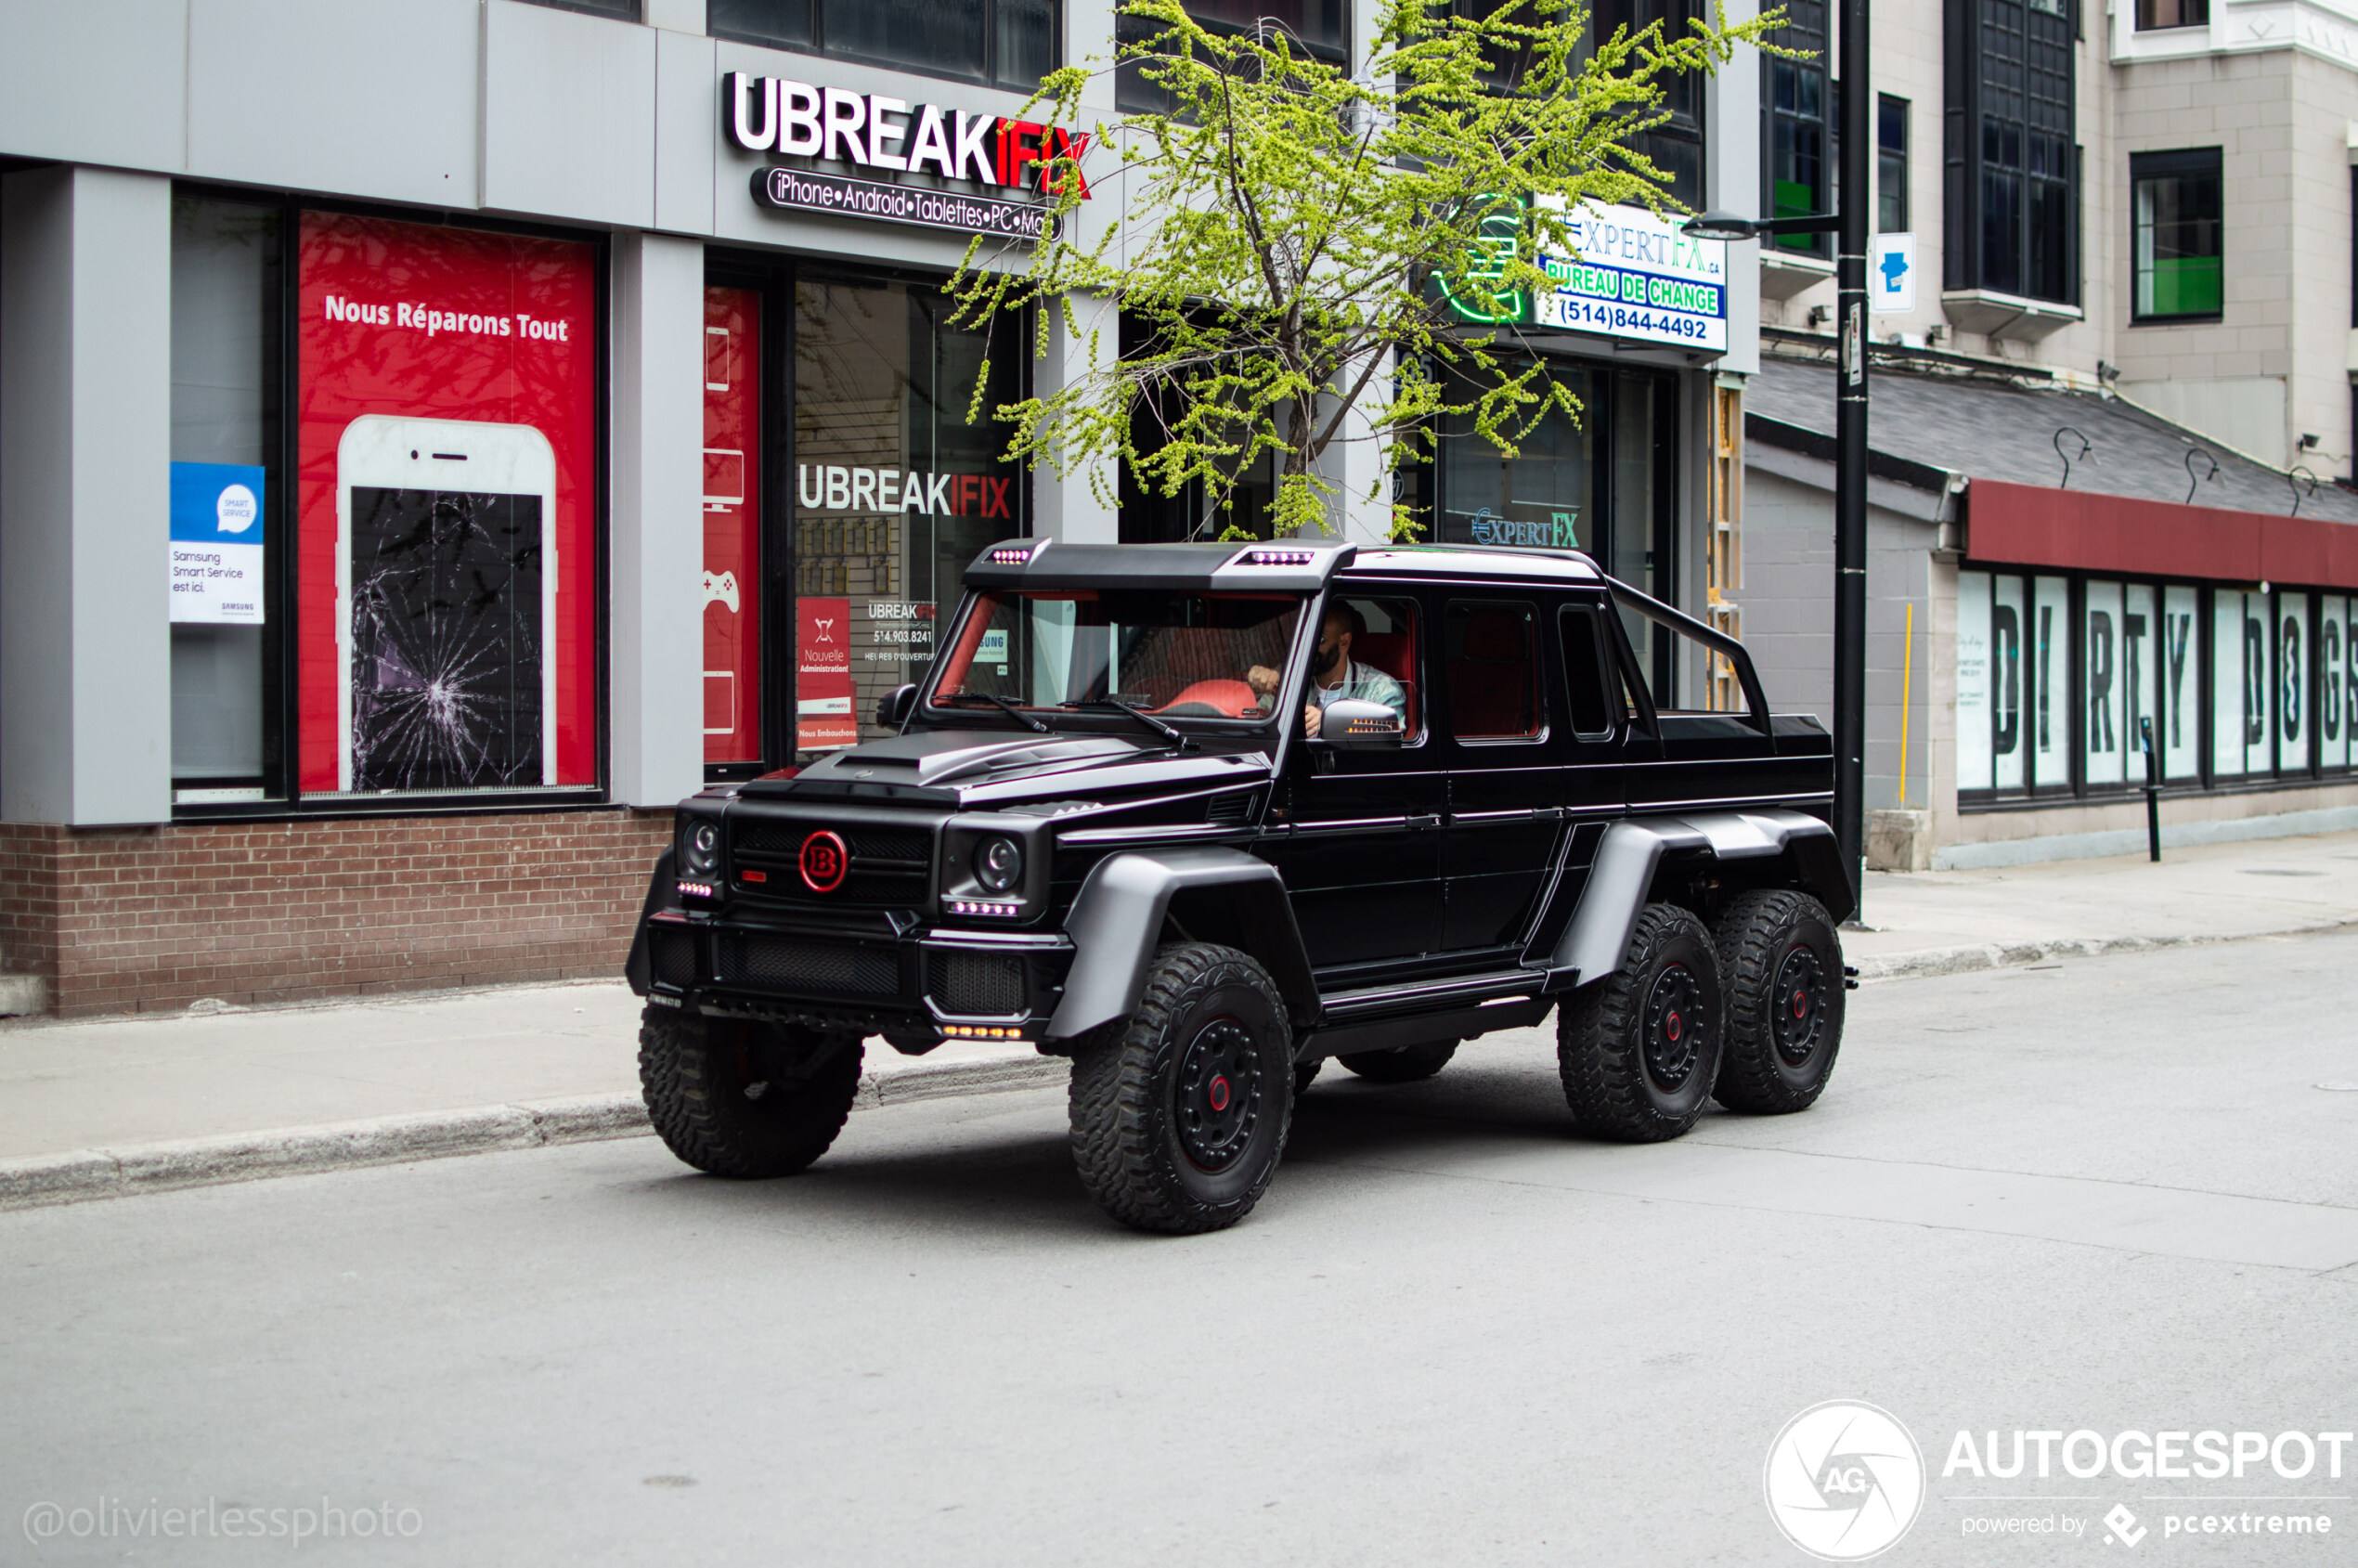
[[894, 708]]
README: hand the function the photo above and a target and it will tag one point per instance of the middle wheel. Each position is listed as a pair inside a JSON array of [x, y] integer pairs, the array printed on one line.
[[1640, 1050], [1178, 1121]]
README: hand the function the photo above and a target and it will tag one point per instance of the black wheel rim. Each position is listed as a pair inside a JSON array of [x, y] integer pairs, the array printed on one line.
[[1797, 1015], [1674, 1027], [1217, 1094]]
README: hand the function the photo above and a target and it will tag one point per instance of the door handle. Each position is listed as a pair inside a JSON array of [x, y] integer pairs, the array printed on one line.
[[1415, 823]]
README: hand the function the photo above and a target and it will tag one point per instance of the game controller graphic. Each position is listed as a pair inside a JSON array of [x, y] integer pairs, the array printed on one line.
[[721, 589]]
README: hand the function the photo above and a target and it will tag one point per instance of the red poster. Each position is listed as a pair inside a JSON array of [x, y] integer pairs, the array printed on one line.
[[822, 690], [731, 526], [447, 616]]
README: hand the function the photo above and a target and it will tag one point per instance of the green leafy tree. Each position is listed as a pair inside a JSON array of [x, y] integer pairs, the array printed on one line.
[[1289, 232]]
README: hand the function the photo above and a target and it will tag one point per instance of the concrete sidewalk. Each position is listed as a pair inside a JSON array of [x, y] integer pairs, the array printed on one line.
[[93, 1109]]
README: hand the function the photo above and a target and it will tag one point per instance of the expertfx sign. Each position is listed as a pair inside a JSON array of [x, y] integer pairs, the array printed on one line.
[[1629, 274]]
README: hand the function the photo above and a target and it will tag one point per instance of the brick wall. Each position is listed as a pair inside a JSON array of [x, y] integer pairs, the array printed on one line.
[[140, 919]]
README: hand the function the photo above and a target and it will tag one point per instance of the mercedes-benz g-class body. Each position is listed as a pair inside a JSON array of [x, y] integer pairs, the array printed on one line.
[[1199, 817]]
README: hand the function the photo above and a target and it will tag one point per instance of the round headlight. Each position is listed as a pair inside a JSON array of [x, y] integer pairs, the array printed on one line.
[[999, 864], [700, 846]]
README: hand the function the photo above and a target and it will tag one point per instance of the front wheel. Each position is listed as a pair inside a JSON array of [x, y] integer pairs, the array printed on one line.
[[738, 1098], [1179, 1120], [1782, 960], [1638, 1050]]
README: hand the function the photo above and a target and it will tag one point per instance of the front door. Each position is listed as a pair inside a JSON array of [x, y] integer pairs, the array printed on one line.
[[1360, 845]]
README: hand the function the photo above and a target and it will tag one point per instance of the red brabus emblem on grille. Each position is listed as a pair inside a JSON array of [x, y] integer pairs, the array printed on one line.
[[824, 862]]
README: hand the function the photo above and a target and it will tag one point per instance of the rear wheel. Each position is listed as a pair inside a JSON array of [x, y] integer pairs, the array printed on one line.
[[1638, 1050], [1179, 1120], [1782, 960], [739, 1098], [1402, 1064]]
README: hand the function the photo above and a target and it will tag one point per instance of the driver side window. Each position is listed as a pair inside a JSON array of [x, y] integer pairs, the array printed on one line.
[[1378, 661]]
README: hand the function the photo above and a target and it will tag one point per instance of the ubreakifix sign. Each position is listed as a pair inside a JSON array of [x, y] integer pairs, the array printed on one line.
[[897, 151]]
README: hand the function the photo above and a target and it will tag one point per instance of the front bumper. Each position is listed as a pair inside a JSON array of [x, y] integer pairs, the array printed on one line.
[[916, 986]]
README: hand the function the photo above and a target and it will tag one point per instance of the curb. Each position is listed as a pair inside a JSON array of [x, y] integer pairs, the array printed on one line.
[[81, 1175], [2002, 955]]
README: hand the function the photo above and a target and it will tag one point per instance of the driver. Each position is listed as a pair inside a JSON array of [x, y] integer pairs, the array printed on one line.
[[1333, 673]]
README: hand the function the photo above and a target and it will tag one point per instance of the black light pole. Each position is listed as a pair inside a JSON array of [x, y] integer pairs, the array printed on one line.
[[1848, 224], [1850, 450]]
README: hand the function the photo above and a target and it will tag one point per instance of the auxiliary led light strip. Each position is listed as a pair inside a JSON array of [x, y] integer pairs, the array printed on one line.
[[698, 890], [976, 906], [980, 1032]]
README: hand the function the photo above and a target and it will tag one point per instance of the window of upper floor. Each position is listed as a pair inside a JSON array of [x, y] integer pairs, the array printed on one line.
[[626, 10], [2153, 15], [1318, 27], [1009, 43], [2010, 185], [2177, 246]]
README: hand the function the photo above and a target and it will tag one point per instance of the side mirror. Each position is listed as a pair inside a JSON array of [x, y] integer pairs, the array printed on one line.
[[1354, 724], [894, 708]]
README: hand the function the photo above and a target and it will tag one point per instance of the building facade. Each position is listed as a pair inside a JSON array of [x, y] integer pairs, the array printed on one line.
[[435, 435], [2107, 429]]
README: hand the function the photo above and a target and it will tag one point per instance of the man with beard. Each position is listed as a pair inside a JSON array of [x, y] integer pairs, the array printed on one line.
[[1333, 673]]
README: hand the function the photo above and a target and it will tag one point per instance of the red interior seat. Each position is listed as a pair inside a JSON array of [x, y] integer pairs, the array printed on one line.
[[1395, 652], [1490, 680]]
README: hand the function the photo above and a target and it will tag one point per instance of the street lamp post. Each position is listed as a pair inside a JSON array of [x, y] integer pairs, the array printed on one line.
[[1848, 224]]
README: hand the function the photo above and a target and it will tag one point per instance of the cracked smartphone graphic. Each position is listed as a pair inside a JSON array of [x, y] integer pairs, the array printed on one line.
[[446, 592]]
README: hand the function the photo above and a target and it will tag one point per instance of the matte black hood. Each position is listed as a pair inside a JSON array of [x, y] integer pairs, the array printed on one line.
[[945, 759]]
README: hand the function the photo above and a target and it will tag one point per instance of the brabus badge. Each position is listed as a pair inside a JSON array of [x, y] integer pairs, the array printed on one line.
[[824, 862]]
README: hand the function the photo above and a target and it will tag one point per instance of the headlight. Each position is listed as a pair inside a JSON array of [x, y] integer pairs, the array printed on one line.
[[700, 846], [999, 864]]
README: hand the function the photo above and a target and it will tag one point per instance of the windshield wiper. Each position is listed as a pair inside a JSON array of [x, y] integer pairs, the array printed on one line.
[[1012, 711], [1171, 732]]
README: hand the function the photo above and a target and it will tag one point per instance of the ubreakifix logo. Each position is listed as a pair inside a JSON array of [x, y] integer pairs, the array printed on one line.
[[1844, 1481]]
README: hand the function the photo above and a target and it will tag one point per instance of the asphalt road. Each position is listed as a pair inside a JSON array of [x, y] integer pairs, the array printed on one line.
[[2109, 1195]]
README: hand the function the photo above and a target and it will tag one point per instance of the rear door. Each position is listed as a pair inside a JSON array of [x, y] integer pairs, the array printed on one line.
[[1508, 749]]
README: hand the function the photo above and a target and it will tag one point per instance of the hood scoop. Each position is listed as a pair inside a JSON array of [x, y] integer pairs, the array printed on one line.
[[935, 757]]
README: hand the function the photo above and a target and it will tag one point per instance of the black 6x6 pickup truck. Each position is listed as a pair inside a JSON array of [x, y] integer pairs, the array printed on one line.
[[1199, 817]]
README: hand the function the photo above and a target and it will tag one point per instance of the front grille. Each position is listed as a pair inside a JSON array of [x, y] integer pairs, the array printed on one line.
[[892, 865], [809, 965], [865, 843], [972, 984], [673, 954]]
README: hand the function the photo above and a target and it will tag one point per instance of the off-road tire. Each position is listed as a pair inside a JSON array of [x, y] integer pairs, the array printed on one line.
[[1402, 1064], [1179, 1122], [1306, 1074], [1781, 960], [738, 1098], [1667, 996]]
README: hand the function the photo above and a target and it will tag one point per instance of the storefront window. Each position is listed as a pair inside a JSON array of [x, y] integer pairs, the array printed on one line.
[[2296, 693], [448, 439], [2010, 673], [225, 264], [1543, 495], [2104, 674], [2050, 725], [2335, 691], [894, 493], [1975, 732], [733, 476], [2180, 672]]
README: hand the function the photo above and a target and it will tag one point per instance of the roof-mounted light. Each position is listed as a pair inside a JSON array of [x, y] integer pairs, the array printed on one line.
[[1011, 555], [1280, 557]]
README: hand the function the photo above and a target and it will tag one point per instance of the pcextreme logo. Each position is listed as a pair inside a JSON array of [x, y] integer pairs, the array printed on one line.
[[1844, 1481]]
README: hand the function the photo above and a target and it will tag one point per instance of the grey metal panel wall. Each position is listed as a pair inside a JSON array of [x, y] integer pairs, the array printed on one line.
[[687, 131], [568, 115], [94, 81], [377, 101], [85, 448]]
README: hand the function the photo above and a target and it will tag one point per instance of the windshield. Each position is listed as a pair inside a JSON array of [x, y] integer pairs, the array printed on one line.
[[1178, 655]]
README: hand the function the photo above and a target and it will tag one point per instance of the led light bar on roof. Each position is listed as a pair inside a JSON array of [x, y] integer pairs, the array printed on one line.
[[1280, 557], [1011, 555]]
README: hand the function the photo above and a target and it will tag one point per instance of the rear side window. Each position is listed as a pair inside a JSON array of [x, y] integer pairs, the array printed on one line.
[[1490, 651], [1585, 669]]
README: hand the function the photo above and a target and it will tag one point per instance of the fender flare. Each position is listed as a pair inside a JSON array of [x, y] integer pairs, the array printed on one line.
[[1622, 874], [1115, 923], [663, 892]]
